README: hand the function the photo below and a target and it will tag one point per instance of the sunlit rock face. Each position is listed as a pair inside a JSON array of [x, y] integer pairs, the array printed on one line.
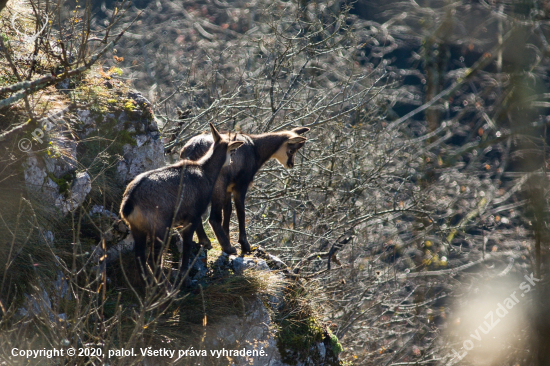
[[54, 172], [66, 190]]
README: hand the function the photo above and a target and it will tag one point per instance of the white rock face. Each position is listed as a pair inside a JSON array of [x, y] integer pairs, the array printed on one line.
[[43, 188], [65, 162], [85, 116], [240, 264], [148, 154], [82, 185], [254, 331], [100, 210], [60, 162], [44, 168], [34, 173]]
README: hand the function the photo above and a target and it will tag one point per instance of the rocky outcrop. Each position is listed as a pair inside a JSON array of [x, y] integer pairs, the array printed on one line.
[[64, 191], [252, 332], [147, 154], [148, 151], [52, 170], [255, 334]]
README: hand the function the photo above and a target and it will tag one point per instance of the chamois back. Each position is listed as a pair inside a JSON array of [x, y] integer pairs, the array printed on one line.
[[237, 177], [179, 194]]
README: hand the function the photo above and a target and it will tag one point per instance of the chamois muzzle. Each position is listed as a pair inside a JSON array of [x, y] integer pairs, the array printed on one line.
[[290, 162]]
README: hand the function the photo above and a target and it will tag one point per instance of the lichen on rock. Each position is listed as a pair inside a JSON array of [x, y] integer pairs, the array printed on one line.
[[43, 184], [64, 168]]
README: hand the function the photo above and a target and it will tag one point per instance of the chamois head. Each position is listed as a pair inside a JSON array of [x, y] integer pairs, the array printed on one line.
[[231, 144], [285, 153]]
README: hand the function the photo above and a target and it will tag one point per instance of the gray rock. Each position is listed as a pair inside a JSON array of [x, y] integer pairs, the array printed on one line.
[[153, 126], [321, 349], [36, 305], [123, 246], [48, 236], [40, 304], [240, 264], [82, 185], [276, 300], [63, 84], [275, 262], [61, 287], [140, 100], [100, 210], [85, 116], [199, 266], [43, 188], [109, 117], [35, 173], [223, 260], [123, 117], [254, 332], [148, 151], [148, 154], [66, 161], [42, 171]]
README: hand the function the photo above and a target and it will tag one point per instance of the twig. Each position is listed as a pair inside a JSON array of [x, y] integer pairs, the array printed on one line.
[[483, 61]]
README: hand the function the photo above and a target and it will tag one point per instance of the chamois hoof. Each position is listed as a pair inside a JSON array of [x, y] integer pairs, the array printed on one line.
[[245, 248], [206, 245], [243, 252], [230, 250]]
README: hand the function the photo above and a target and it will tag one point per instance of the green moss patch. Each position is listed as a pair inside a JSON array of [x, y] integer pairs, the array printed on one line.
[[125, 137], [64, 183], [336, 346], [300, 331], [298, 335]]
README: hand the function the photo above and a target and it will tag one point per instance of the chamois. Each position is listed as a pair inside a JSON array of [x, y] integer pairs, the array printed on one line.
[[177, 194], [236, 178]]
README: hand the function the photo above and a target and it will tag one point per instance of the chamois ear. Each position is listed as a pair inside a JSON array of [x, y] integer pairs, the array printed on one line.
[[297, 140], [300, 130], [233, 145], [215, 133]]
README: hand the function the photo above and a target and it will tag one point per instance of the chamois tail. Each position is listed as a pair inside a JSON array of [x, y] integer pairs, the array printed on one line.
[[127, 207]]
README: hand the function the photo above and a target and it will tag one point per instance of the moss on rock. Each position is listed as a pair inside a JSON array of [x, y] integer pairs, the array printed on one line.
[[301, 334], [125, 137], [64, 183], [336, 346]]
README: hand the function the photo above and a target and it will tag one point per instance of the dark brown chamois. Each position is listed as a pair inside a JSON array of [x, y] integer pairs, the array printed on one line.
[[236, 178], [178, 194]]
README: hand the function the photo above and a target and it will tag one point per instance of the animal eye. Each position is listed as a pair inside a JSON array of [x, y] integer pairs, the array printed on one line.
[[292, 151]]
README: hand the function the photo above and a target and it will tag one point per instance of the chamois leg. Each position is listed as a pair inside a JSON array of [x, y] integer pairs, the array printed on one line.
[[140, 243], [227, 207], [203, 238], [239, 206], [216, 224], [187, 235], [158, 248]]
